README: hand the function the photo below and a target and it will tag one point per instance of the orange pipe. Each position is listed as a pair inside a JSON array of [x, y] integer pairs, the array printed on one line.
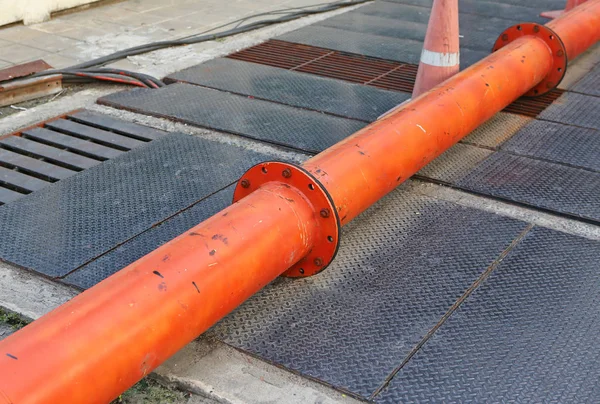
[[104, 340], [364, 167], [94, 347], [578, 28]]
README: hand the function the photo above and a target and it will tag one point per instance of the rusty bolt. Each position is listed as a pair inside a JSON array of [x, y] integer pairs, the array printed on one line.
[[505, 37], [245, 183], [318, 262], [325, 213], [536, 28], [560, 53], [286, 173], [550, 84]]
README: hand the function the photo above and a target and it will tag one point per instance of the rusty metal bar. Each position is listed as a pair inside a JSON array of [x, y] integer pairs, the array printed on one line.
[[104, 340]]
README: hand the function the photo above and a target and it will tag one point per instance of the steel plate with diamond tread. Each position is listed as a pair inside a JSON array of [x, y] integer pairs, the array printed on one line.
[[476, 33], [59, 148], [392, 280], [527, 334], [566, 144], [575, 109], [144, 243], [384, 47], [521, 11], [304, 130], [292, 88], [589, 84], [60, 228], [567, 190]]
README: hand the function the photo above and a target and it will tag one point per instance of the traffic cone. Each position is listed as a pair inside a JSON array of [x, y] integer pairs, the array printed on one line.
[[440, 56], [556, 13]]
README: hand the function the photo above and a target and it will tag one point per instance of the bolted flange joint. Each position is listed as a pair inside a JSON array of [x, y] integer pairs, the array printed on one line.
[[327, 239], [559, 53]]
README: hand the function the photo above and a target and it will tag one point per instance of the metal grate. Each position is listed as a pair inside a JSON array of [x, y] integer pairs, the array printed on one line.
[[58, 148], [385, 74]]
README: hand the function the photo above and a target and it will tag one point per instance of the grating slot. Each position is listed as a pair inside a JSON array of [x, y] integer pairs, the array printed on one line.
[[15, 180], [60, 157], [8, 195], [34, 166], [124, 128], [355, 68], [90, 133], [73, 144]]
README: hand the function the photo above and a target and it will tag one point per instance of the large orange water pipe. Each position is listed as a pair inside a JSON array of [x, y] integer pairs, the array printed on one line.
[[94, 347]]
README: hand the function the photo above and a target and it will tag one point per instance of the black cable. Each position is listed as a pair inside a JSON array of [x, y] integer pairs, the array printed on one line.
[[91, 70]]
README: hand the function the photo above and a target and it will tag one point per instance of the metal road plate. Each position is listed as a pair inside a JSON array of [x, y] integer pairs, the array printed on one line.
[[497, 130], [304, 130], [146, 242], [111, 124], [392, 280], [516, 12], [568, 190], [571, 145], [477, 33], [528, 334], [62, 227], [574, 109], [384, 47], [589, 84], [293, 88], [454, 163]]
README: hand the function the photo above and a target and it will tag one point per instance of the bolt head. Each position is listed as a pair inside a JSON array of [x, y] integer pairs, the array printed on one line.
[[560, 53], [536, 28], [318, 262], [505, 37], [325, 213], [245, 183], [286, 173]]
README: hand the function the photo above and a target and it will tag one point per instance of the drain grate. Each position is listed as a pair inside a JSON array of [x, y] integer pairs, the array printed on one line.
[[56, 149], [385, 74]]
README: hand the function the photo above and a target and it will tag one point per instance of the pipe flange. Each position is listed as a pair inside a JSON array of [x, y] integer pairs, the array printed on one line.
[[559, 53], [327, 241]]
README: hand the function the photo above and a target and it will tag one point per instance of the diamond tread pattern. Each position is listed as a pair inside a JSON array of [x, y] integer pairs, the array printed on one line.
[[384, 47], [53, 232], [293, 88], [497, 130], [590, 83], [514, 11], [574, 109], [454, 163], [308, 131], [571, 145], [528, 334], [144, 243], [410, 22], [392, 280], [568, 190]]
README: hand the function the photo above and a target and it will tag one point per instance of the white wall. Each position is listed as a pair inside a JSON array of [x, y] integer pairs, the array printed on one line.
[[34, 11]]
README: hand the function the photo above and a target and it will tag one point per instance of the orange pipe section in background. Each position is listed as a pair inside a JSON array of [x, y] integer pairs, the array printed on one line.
[[100, 343]]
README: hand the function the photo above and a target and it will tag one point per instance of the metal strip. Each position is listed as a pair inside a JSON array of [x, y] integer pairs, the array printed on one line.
[[103, 137], [74, 144], [52, 154]]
